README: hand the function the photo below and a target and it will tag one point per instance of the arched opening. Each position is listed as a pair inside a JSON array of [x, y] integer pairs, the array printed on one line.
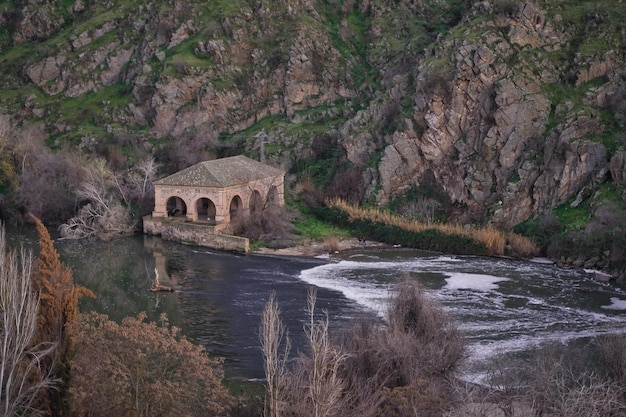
[[176, 207], [206, 210], [272, 196], [236, 207], [256, 202]]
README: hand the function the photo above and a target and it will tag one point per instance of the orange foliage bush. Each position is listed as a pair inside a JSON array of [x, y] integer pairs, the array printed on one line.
[[144, 370], [57, 318]]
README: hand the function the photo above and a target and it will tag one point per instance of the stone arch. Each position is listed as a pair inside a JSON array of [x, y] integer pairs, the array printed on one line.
[[206, 210], [256, 202], [272, 196], [235, 208], [176, 207]]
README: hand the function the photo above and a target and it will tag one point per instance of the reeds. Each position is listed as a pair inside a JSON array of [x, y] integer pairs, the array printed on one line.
[[495, 241], [331, 244]]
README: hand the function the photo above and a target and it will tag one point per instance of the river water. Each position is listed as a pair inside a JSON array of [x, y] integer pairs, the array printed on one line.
[[502, 306]]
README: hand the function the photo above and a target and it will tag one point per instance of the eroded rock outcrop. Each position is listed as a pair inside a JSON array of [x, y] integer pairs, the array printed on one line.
[[484, 116]]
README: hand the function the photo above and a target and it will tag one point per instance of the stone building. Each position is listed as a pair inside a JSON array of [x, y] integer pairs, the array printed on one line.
[[197, 204], [218, 191]]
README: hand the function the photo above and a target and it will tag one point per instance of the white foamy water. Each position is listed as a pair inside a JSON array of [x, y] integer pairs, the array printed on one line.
[[477, 282], [502, 306]]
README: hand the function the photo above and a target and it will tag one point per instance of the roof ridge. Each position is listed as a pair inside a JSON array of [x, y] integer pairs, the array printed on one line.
[[221, 172]]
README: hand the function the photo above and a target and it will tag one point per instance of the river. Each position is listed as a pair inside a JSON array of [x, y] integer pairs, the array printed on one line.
[[502, 306]]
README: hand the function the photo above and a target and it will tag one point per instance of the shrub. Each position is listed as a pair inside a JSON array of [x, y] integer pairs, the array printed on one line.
[[408, 361], [142, 369], [540, 229], [492, 239], [565, 383], [507, 8], [58, 315], [47, 184], [272, 224], [376, 370], [556, 380], [383, 227], [347, 184], [437, 343], [331, 244], [612, 350], [522, 246]]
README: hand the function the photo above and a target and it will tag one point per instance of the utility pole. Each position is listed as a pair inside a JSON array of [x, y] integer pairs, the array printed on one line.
[[262, 136]]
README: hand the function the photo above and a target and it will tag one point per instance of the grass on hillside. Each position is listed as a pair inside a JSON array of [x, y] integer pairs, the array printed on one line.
[[310, 227], [576, 218]]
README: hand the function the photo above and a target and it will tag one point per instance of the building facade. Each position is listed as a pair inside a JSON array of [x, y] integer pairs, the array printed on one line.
[[219, 191]]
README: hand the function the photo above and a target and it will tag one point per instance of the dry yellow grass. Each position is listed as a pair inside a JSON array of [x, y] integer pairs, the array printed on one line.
[[331, 244], [493, 239], [522, 246]]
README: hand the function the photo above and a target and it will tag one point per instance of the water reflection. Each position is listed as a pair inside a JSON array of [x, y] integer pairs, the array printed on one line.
[[218, 297], [120, 273]]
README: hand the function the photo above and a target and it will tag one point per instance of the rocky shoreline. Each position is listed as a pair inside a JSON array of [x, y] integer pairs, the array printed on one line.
[[310, 247]]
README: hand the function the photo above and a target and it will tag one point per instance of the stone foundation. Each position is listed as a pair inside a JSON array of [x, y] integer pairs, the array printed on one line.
[[199, 234]]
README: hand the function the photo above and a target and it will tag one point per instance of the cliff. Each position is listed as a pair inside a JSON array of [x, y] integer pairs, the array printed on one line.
[[497, 111]]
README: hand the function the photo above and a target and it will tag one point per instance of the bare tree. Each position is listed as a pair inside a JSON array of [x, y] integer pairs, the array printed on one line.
[[273, 335], [324, 382], [422, 209], [135, 185], [102, 215], [147, 170], [23, 374]]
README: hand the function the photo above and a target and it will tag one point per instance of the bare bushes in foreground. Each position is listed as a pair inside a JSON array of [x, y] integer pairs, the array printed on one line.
[[316, 384], [24, 375], [275, 345], [407, 364], [564, 384], [394, 370], [557, 381]]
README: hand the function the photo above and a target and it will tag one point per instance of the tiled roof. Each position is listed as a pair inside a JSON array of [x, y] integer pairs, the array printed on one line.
[[222, 172]]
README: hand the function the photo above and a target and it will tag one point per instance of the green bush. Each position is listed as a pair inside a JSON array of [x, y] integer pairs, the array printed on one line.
[[541, 230]]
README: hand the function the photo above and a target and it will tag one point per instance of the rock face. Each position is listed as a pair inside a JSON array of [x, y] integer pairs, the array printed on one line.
[[506, 110], [485, 129]]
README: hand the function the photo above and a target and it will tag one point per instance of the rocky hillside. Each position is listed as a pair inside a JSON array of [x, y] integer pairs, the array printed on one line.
[[475, 111]]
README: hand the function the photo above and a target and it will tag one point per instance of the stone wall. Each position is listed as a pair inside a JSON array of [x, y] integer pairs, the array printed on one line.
[[198, 234]]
